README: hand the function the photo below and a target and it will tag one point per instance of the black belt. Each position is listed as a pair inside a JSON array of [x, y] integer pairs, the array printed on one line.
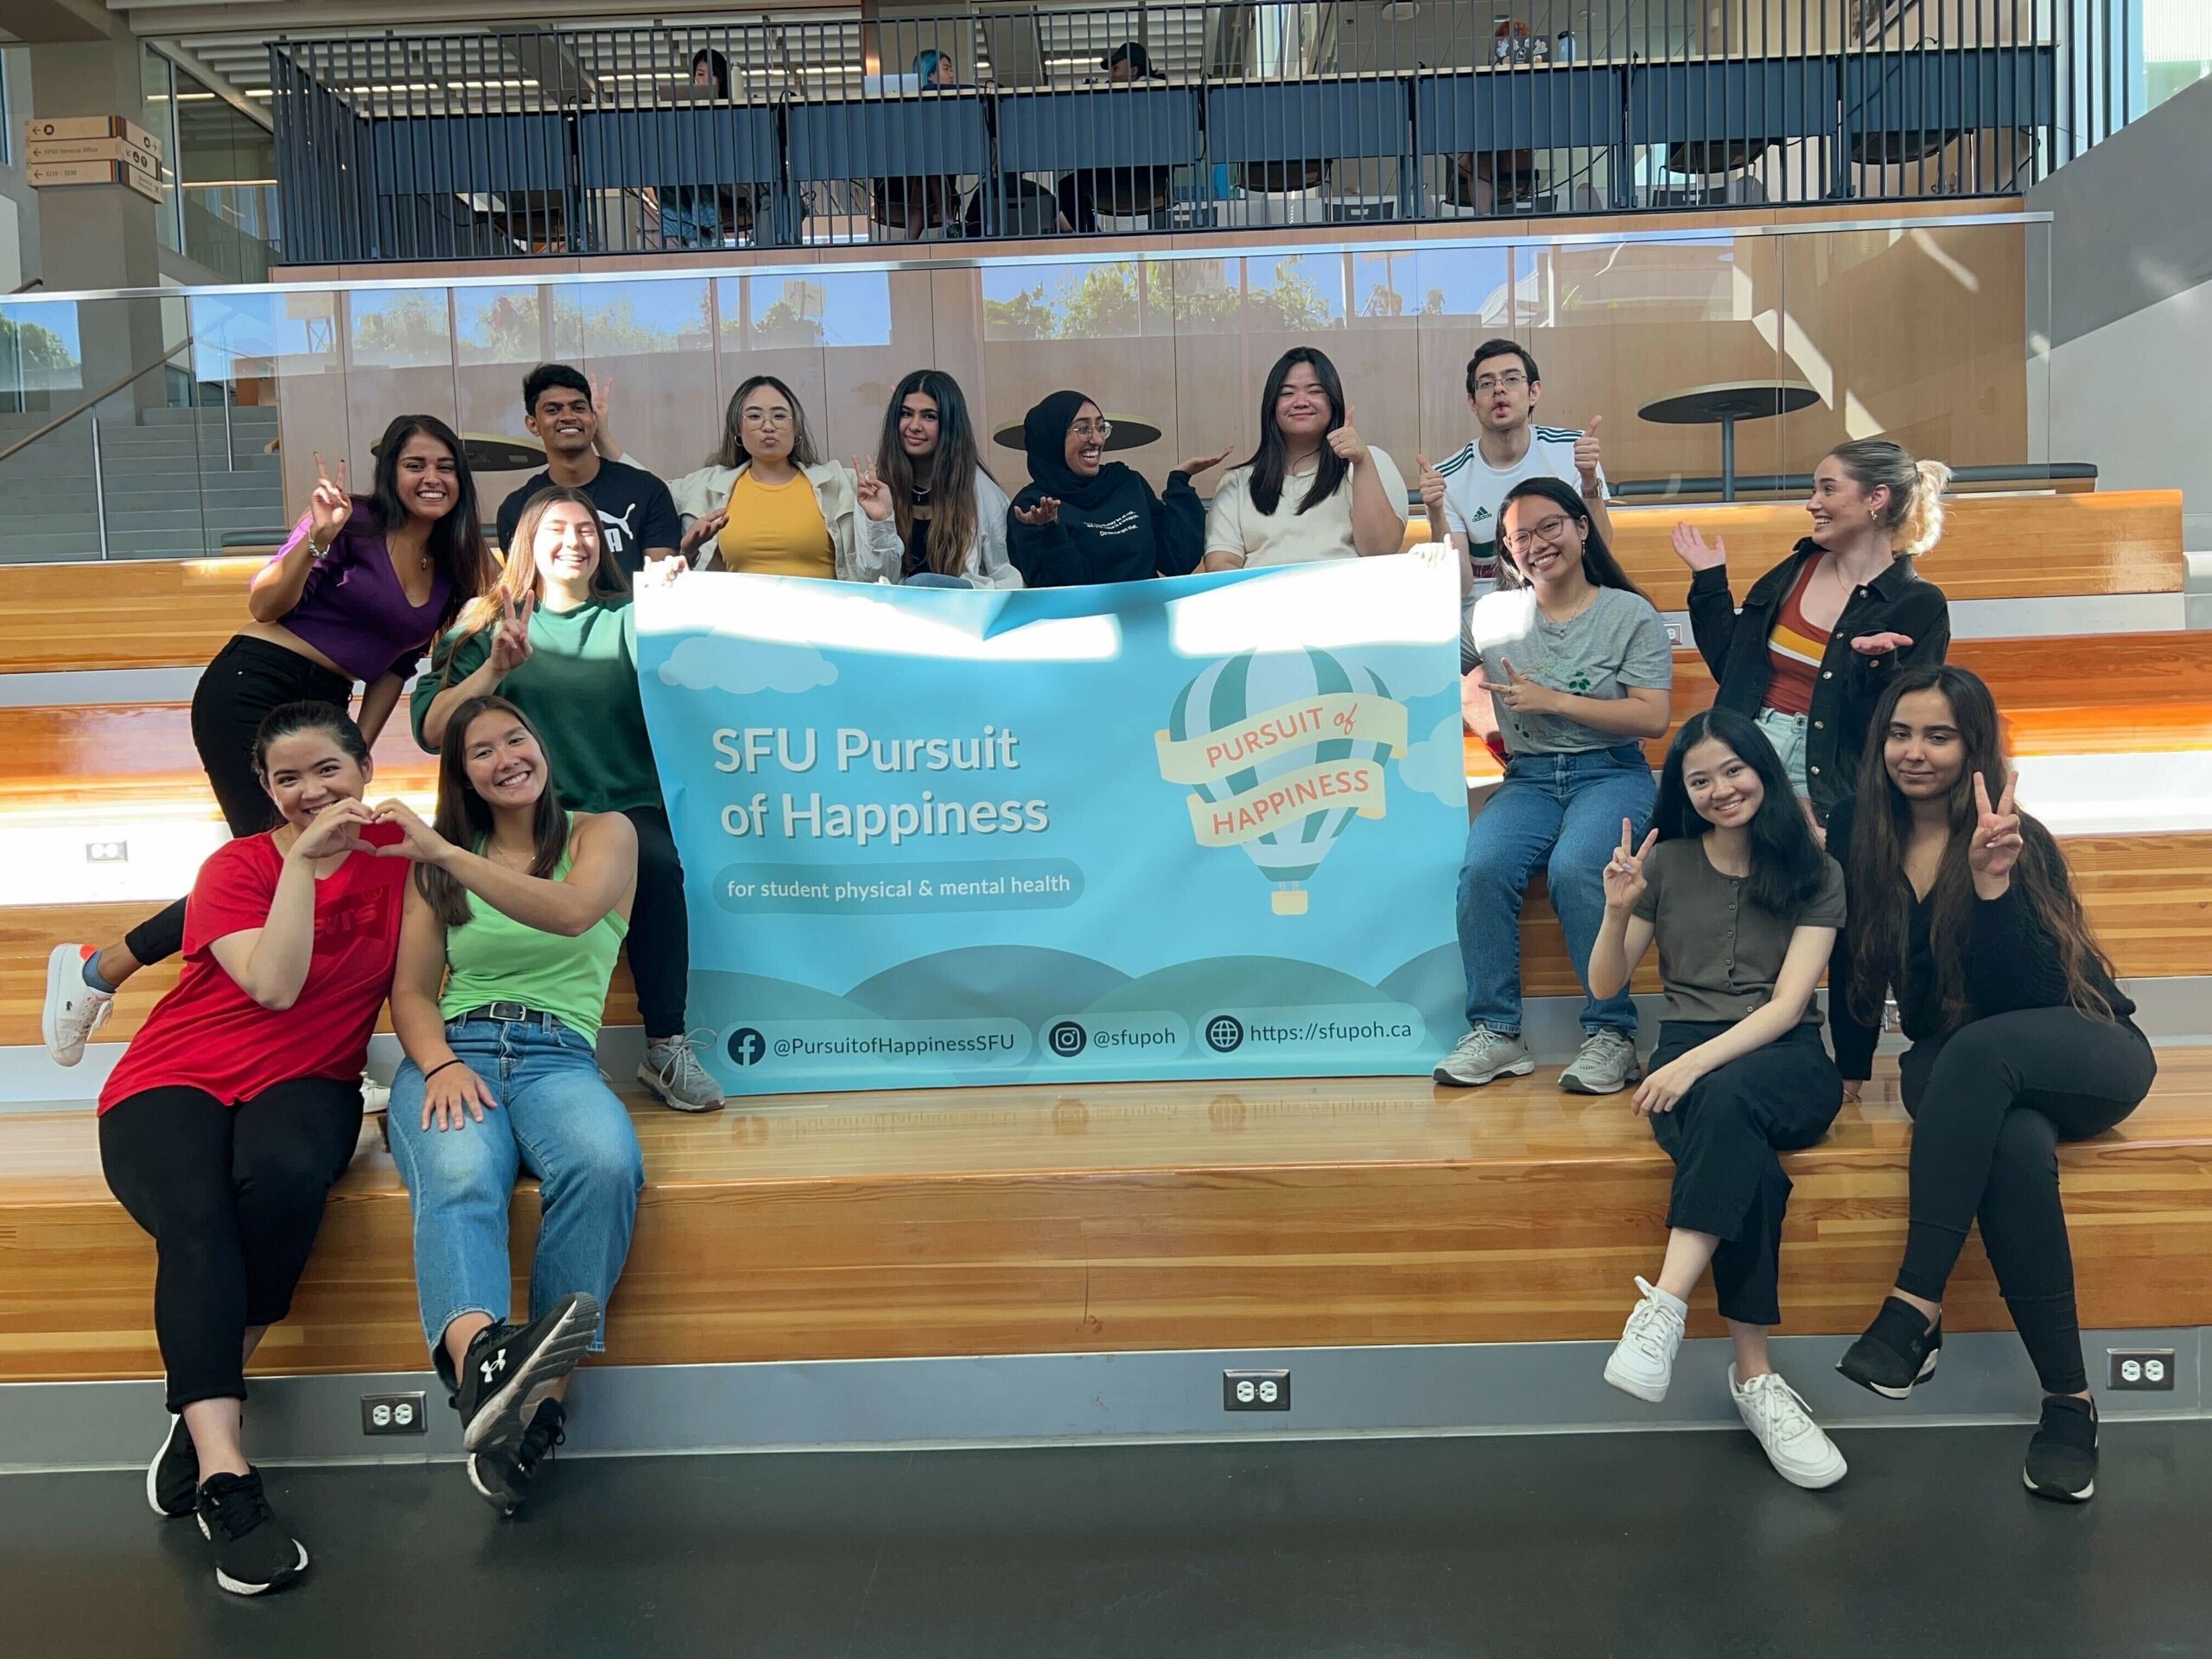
[[512, 1013]]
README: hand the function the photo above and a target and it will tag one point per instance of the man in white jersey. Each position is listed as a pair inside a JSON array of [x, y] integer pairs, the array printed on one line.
[[1463, 491]]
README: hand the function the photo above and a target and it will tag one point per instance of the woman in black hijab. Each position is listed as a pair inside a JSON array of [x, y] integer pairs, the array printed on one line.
[[1083, 519]]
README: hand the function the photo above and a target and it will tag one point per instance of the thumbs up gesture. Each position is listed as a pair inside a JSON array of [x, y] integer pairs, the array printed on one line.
[[1586, 456], [1346, 442]]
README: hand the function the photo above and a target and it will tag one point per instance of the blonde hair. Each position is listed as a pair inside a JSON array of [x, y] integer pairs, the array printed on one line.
[[1915, 515]]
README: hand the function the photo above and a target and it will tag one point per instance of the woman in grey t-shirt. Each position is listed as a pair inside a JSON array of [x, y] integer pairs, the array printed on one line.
[[1745, 907], [1573, 699]]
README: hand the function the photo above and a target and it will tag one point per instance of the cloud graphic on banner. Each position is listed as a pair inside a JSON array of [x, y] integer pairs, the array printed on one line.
[[1437, 765], [743, 668]]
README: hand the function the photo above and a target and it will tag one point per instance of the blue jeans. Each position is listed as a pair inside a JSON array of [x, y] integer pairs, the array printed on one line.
[[1570, 807], [1787, 734], [557, 1118]]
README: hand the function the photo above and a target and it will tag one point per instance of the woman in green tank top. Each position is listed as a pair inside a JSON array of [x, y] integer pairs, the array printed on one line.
[[509, 937]]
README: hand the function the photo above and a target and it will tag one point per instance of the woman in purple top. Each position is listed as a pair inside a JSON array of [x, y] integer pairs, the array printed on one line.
[[358, 593]]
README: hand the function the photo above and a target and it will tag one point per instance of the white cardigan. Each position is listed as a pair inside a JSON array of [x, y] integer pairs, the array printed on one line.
[[877, 559]]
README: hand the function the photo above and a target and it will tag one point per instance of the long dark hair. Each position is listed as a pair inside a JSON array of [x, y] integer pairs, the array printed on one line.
[[1269, 461], [457, 541], [1599, 568], [290, 718], [953, 513], [1786, 863], [464, 819], [1881, 829], [733, 452]]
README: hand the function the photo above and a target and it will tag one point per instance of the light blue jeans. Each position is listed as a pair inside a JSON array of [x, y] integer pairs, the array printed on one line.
[[557, 1118], [1787, 734], [1567, 808]]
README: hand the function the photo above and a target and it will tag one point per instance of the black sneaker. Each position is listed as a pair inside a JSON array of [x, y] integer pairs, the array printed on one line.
[[173, 1478], [1898, 1352], [253, 1551], [503, 1477], [2063, 1456], [510, 1370]]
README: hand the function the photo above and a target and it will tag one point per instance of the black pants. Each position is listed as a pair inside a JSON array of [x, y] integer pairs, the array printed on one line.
[[660, 933], [1990, 1103], [247, 679], [1723, 1136], [233, 1197]]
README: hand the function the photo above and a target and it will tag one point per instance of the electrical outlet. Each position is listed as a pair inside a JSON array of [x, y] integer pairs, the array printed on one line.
[[107, 852], [2134, 1369], [1256, 1391], [393, 1413]]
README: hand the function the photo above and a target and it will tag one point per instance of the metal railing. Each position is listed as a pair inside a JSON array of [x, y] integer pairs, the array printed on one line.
[[1142, 118]]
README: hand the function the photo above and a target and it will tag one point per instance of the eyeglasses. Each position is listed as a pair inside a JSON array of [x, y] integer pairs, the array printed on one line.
[[1550, 529], [1493, 382], [1101, 430], [767, 418]]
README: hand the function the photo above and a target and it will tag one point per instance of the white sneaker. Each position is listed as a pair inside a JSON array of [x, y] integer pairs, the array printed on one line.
[[1643, 1359], [1483, 1054], [375, 1096], [672, 1071], [1800, 1453], [73, 1009]]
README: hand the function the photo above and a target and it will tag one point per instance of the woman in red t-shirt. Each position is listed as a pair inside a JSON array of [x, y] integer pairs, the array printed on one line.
[[239, 1103]]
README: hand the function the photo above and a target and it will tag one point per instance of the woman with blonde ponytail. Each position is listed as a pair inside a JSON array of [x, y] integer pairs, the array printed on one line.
[[1823, 633]]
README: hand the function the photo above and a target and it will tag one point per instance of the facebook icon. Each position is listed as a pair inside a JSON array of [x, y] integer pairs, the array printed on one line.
[[747, 1046]]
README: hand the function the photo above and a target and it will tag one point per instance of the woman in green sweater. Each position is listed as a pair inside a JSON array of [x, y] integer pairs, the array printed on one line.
[[557, 637]]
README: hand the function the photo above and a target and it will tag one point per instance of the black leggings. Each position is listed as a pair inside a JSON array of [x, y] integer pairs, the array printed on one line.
[[660, 933], [247, 679], [232, 1196], [1990, 1103], [1722, 1135]]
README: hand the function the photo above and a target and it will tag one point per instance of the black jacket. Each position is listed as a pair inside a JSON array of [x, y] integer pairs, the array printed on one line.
[[2011, 963], [1734, 646], [1129, 536]]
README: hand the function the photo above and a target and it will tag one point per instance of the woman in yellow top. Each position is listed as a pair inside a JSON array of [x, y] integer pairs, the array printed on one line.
[[772, 507]]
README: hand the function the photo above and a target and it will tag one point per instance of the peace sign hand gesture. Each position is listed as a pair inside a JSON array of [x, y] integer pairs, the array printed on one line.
[[511, 638], [329, 507], [1624, 882], [874, 494], [1995, 848], [1524, 696]]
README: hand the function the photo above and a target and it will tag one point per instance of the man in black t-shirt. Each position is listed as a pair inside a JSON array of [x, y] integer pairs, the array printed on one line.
[[637, 517]]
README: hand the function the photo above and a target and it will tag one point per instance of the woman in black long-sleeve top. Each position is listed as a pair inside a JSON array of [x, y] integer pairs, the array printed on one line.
[[1823, 634], [1082, 519], [1961, 907]]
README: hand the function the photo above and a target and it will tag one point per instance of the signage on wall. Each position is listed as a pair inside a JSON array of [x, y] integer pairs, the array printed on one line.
[[81, 149]]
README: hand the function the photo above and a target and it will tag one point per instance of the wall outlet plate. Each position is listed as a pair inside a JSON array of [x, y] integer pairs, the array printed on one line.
[[393, 1413], [2140, 1369], [107, 852], [1256, 1391]]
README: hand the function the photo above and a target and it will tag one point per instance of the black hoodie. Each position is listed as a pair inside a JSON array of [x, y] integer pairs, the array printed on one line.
[[1111, 527]]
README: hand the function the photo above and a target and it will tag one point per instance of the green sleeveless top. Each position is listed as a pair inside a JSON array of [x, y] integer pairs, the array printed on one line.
[[494, 958]]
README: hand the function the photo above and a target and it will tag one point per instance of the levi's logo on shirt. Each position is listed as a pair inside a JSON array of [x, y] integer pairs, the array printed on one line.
[[349, 917]]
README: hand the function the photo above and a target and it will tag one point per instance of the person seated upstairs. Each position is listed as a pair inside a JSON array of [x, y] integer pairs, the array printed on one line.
[[637, 518], [1083, 519]]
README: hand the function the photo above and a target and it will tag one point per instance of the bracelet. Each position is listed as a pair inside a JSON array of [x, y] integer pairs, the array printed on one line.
[[434, 1070]]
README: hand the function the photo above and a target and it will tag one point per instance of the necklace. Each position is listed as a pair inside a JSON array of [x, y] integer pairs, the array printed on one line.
[[1561, 622]]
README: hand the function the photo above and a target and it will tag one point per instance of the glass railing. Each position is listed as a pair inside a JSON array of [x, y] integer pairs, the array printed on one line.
[[1930, 329]]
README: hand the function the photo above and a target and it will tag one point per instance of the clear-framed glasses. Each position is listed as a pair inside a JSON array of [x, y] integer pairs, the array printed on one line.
[[1101, 430], [1550, 529], [1493, 382], [767, 418]]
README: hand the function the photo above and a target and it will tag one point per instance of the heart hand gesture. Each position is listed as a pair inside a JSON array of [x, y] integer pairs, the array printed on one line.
[[330, 506], [1691, 548], [336, 828], [419, 843], [511, 638], [1624, 882], [1995, 848]]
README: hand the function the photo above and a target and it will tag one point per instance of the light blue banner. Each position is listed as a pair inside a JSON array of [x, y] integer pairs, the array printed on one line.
[[1203, 828]]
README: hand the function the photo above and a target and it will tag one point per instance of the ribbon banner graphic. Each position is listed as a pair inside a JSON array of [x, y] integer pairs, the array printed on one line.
[[934, 837]]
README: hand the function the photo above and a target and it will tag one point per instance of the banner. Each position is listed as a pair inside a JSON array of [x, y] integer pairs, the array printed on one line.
[[1202, 828]]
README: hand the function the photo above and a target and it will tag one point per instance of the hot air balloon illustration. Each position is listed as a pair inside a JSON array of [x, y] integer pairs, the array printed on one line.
[[1291, 740]]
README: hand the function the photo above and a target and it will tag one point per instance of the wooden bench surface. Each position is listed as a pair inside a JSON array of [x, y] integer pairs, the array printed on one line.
[[1084, 1220], [157, 613]]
